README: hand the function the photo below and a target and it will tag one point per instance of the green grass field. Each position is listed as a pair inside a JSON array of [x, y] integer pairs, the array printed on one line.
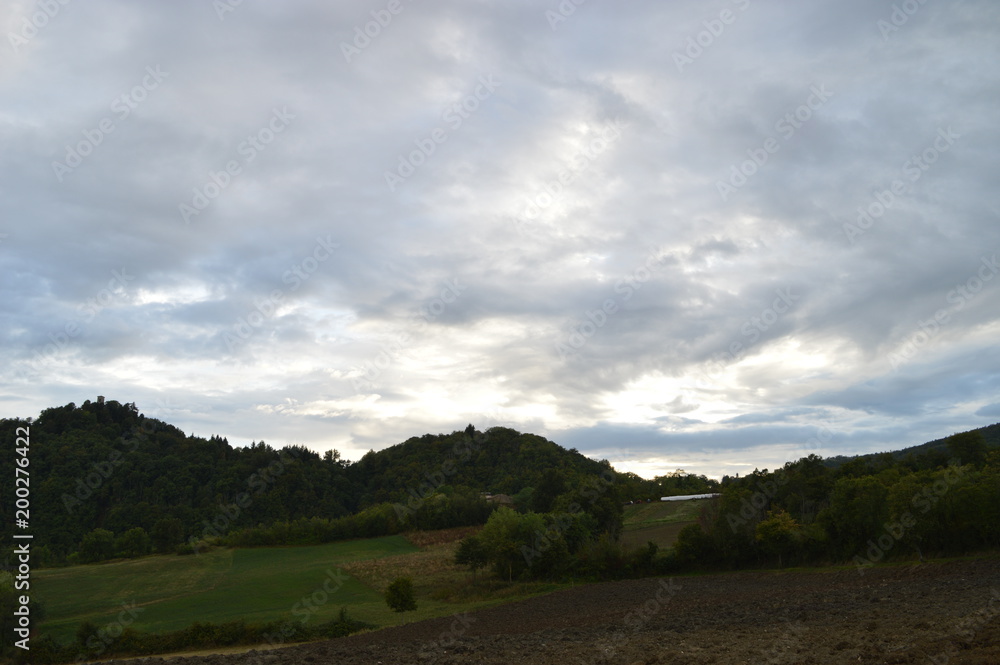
[[266, 584], [222, 585], [258, 585], [659, 522]]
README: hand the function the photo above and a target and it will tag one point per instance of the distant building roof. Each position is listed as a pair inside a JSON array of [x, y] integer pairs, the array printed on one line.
[[688, 497], [499, 498]]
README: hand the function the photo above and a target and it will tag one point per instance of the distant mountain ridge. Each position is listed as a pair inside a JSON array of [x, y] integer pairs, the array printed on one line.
[[990, 434], [104, 465]]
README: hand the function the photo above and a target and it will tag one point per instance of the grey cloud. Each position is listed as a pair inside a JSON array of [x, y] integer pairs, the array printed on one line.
[[463, 213]]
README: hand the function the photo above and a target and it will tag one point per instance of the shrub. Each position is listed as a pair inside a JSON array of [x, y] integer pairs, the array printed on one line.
[[399, 596], [97, 545], [133, 543]]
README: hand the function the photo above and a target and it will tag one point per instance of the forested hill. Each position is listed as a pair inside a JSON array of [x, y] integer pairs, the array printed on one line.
[[501, 460], [937, 449], [105, 465]]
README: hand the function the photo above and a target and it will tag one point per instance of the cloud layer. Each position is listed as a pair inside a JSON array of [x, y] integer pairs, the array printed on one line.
[[673, 235]]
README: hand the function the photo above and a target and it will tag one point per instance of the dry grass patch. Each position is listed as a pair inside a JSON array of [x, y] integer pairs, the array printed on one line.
[[431, 568], [424, 539]]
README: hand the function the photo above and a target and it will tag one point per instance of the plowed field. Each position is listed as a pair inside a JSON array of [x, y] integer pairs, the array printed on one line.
[[946, 612]]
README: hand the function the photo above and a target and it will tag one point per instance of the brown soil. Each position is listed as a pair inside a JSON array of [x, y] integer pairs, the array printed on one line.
[[947, 612]]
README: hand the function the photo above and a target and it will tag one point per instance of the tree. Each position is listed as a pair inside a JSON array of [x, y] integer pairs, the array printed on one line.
[[471, 553], [968, 447], [399, 596], [167, 533], [507, 536], [133, 543], [97, 545], [551, 485], [777, 533], [693, 545]]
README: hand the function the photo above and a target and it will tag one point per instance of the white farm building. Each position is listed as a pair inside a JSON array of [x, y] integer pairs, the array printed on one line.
[[687, 497]]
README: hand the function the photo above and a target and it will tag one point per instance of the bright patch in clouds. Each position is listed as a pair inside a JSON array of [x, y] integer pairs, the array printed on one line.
[[590, 153]]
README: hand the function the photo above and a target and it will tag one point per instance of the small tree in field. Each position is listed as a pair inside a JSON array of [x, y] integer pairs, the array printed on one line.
[[471, 553], [133, 543], [777, 534], [97, 545], [399, 596]]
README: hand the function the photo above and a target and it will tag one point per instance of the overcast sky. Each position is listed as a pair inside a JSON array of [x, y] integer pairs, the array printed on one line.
[[708, 235]]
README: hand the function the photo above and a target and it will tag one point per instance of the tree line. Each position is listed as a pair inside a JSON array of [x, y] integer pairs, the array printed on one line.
[[864, 511], [109, 482]]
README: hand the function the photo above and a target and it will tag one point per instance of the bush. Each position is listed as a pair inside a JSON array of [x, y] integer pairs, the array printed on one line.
[[399, 596], [693, 545], [167, 533], [97, 545], [133, 543]]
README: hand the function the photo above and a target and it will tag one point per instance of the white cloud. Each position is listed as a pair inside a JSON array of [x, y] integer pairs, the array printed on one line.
[[540, 212]]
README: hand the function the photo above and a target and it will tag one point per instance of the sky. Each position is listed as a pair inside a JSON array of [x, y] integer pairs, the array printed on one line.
[[714, 236]]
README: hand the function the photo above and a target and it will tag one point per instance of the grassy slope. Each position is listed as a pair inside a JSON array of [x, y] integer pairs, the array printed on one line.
[[659, 522], [267, 584], [272, 584], [223, 585]]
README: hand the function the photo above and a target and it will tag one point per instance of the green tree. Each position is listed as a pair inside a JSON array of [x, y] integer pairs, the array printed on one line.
[[777, 534], [399, 596], [133, 543], [471, 553], [968, 447], [167, 533], [857, 511], [693, 545], [506, 538], [551, 485], [97, 545]]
